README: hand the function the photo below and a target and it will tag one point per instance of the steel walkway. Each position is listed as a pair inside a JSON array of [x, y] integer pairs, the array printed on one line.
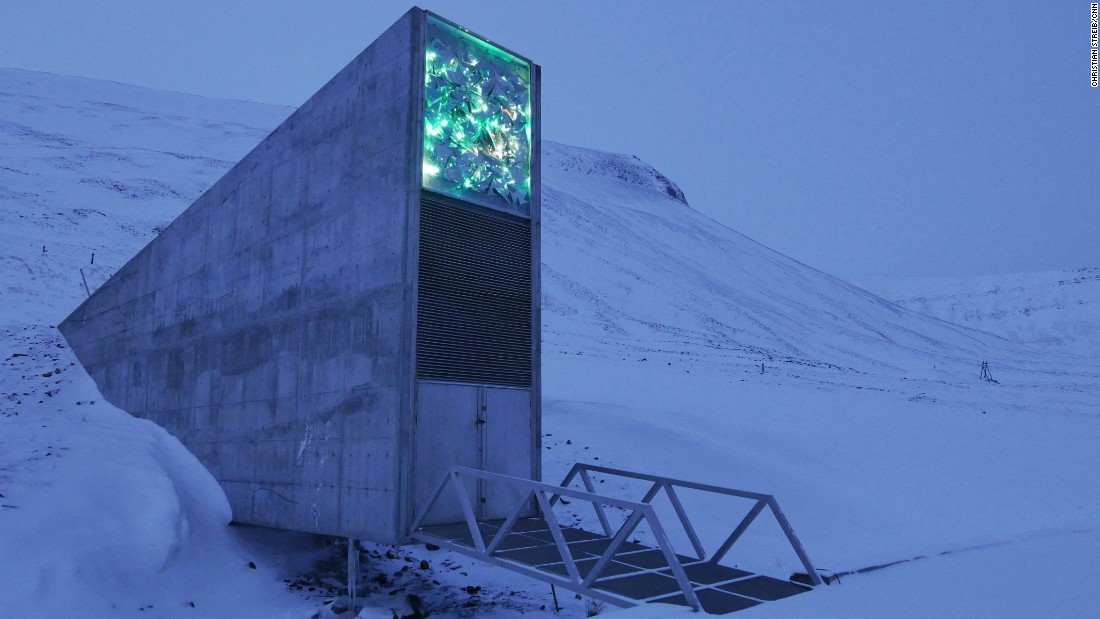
[[606, 566]]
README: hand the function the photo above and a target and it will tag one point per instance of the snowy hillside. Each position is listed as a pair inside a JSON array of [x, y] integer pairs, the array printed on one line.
[[628, 260], [93, 166], [1055, 309], [673, 345]]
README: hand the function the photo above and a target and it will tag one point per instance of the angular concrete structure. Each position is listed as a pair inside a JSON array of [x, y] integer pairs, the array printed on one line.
[[355, 305]]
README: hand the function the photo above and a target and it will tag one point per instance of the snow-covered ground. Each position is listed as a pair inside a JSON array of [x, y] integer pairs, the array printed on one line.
[[673, 345]]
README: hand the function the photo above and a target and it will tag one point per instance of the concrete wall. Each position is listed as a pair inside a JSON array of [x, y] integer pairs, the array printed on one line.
[[267, 327]]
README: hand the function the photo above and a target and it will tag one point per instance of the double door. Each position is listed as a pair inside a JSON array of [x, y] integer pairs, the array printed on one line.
[[483, 427]]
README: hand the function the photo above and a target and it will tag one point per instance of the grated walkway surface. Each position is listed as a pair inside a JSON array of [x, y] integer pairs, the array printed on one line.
[[638, 574]]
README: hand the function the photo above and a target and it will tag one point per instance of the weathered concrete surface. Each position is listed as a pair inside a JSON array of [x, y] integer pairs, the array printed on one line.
[[267, 326]]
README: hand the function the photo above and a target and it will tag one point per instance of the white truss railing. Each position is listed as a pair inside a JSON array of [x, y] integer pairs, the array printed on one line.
[[541, 493], [637, 512], [669, 485]]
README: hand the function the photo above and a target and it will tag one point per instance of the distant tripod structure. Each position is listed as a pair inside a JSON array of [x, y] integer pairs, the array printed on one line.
[[986, 376]]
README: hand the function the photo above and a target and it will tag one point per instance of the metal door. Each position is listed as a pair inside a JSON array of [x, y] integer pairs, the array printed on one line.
[[447, 434], [488, 428], [508, 442]]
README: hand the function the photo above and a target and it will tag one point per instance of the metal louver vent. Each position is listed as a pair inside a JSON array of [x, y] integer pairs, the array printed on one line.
[[473, 319]]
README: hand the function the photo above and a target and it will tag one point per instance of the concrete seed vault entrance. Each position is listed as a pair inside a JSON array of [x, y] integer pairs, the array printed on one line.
[[353, 307], [345, 330]]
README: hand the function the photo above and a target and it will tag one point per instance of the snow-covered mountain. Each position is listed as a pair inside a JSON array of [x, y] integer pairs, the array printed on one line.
[[628, 260], [1053, 309], [673, 345]]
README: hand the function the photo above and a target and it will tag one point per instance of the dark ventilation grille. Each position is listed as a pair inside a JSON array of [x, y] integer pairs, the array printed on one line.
[[473, 319]]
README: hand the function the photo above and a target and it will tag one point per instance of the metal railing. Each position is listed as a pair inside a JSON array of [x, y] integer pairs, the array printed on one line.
[[542, 493], [669, 485], [637, 513]]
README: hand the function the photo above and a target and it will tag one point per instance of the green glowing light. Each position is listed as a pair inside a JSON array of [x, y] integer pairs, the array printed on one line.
[[477, 120]]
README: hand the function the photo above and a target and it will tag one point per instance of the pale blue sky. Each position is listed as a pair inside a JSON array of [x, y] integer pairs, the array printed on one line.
[[863, 138]]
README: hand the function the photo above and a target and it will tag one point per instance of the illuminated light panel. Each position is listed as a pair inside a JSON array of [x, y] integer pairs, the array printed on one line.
[[477, 120]]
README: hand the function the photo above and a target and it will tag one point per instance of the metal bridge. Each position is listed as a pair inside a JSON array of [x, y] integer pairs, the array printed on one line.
[[607, 565]]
